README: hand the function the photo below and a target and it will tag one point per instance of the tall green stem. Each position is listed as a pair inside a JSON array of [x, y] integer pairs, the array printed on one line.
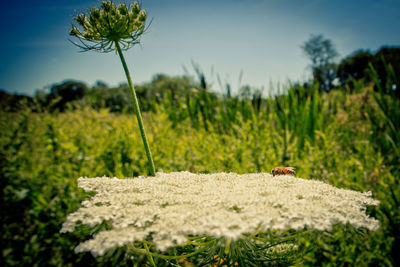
[[137, 111]]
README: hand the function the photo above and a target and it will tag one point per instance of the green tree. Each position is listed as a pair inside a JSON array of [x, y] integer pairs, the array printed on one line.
[[387, 65], [386, 62], [65, 92], [322, 54], [354, 66]]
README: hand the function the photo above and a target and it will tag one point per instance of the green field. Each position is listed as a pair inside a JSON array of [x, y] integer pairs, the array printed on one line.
[[349, 139]]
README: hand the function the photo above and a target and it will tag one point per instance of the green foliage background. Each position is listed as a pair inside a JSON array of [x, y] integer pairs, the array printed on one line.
[[350, 140]]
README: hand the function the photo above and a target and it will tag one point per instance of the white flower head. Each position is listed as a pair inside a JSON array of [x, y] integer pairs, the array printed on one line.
[[172, 206]]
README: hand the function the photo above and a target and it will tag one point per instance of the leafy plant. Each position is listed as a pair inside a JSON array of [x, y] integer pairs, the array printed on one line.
[[115, 28]]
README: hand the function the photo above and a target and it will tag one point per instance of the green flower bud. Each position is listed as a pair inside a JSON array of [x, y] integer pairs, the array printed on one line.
[[142, 15], [80, 19], [95, 13], [74, 31], [108, 25], [135, 7], [106, 6], [113, 10], [123, 9]]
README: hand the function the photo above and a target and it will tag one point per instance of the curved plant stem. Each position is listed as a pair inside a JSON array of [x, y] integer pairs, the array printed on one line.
[[149, 257], [137, 111], [165, 257], [284, 239], [227, 245], [184, 245]]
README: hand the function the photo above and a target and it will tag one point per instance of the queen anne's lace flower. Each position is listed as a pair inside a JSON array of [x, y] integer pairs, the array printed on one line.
[[171, 206]]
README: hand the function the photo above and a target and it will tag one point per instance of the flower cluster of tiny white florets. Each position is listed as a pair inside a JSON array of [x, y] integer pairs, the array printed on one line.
[[282, 248], [171, 206]]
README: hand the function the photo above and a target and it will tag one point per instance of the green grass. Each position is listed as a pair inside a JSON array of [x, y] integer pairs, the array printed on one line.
[[348, 140]]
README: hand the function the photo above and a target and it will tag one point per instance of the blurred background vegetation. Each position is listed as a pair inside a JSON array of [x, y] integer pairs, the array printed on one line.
[[342, 128]]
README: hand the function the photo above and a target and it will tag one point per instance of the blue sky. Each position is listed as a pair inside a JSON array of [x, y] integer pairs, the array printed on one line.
[[262, 38]]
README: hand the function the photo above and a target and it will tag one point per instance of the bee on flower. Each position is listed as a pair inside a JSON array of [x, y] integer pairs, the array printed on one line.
[[283, 171]]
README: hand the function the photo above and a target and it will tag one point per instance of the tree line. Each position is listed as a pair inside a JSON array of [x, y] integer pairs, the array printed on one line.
[[356, 66], [70, 93], [321, 52]]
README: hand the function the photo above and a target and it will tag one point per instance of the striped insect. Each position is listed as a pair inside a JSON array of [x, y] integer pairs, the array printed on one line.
[[283, 171]]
